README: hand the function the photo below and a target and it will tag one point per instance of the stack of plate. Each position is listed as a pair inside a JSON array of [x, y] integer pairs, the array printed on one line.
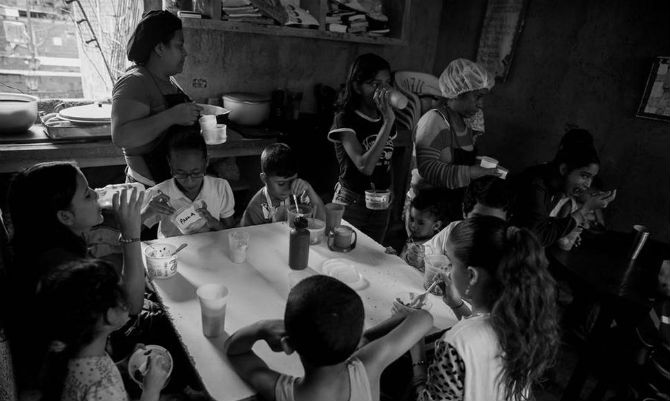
[[89, 114]]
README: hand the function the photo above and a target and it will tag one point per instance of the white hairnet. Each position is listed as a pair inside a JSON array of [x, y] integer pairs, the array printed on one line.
[[463, 75]]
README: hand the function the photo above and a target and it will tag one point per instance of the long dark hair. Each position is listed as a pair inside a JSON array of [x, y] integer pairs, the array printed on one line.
[[35, 196], [576, 150], [74, 297], [365, 67], [521, 297]]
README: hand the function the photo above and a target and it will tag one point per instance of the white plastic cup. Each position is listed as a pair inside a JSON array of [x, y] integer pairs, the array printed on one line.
[[106, 193], [238, 242], [377, 200], [434, 265], [213, 299], [216, 135], [159, 260], [503, 172], [397, 99], [207, 122], [488, 162]]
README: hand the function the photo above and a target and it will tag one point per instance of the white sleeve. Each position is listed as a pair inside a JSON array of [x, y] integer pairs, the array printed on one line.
[[227, 200]]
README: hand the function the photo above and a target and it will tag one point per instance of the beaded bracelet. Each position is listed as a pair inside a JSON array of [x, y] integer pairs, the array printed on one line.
[[419, 363], [127, 240]]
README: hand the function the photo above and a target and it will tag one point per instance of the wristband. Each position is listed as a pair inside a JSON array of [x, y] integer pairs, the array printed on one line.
[[124, 240], [419, 363]]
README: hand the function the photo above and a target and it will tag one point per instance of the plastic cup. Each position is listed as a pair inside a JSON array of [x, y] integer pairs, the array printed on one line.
[[334, 213], [207, 122], [304, 210], [316, 228], [238, 242], [503, 172], [216, 135], [397, 99], [488, 162], [377, 200], [159, 260], [434, 265], [641, 233], [137, 364], [106, 193], [344, 237], [213, 299]]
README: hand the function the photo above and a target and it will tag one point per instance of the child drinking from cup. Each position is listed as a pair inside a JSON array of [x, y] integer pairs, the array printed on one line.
[[52, 208], [323, 323], [502, 350], [363, 133], [279, 173], [83, 303], [190, 201]]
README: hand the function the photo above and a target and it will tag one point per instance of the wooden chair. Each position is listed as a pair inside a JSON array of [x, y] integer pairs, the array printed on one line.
[[7, 381]]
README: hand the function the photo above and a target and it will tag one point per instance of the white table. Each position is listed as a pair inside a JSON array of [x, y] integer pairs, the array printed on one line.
[[258, 289]]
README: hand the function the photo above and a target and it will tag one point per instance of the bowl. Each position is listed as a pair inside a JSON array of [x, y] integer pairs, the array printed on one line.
[[247, 108], [316, 228], [222, 114], [137, 364], [159, 260], [18, 112], [343, 270], [402, 301], [377, 200]]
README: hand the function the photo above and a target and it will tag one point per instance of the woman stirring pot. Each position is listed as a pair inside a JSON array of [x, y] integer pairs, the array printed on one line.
[[147, 100]]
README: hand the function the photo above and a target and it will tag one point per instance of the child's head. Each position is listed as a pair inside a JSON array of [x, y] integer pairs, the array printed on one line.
[[503, 270], [187, 156], [427, 214], [323, 320], [576, 162], [487, 196], [366, 74], [50, 199], [279, 168]]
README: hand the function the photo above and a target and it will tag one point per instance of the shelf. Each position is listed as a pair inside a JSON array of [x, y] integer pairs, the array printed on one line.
[[275, 30]]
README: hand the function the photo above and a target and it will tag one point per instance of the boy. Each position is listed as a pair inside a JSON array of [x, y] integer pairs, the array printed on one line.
[[279, 173], [187, 157], [323, 322], [427, 215]]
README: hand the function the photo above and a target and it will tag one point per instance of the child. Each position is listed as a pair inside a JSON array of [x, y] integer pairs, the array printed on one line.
[[83, 303], [363, 133], [187, 157], [426, 217], [504, 348], [279, 173], [52, 208], [323, 322]]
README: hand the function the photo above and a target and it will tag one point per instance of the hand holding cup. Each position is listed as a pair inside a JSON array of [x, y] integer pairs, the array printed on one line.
[[127, 206]]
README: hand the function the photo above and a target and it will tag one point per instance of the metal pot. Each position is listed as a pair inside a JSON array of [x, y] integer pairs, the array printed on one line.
[[247, 108], [18, 112]]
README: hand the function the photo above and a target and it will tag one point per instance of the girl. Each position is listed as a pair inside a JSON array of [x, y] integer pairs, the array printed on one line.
[[511, 338], [548, 193], [446, 136], [52, 209], [83, 303], [363, 133]]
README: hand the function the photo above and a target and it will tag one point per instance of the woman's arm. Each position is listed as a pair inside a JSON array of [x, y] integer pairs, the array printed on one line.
[[366, 161], [128, 205]]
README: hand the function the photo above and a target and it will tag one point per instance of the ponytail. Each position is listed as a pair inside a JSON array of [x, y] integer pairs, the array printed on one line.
[[525, 315], [55, 371]]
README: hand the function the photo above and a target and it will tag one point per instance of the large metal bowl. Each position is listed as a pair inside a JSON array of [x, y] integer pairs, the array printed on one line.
[[17, 112], [247, 108]]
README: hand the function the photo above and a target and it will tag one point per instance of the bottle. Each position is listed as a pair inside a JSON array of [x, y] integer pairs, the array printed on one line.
[[298, 244]]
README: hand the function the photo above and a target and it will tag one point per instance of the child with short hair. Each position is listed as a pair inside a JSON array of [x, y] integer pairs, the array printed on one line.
[[279, 173], [323, 322], [427, 215], [187, 157], [83, 303]]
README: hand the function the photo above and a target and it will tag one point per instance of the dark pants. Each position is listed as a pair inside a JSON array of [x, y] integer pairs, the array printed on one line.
[[373, 223]]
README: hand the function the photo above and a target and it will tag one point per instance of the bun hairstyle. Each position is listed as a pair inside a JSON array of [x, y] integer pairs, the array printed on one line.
[[576, 150], [521, 297]]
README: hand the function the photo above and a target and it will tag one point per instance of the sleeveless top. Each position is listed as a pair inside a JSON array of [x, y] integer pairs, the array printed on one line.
[[358, 382]]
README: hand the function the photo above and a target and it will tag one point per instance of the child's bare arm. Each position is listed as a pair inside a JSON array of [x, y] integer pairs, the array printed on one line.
[[247, 364], [381, 352], [301, 186]]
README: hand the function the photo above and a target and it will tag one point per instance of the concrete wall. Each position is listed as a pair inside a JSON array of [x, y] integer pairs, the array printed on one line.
[[585, 63], [260, 63]]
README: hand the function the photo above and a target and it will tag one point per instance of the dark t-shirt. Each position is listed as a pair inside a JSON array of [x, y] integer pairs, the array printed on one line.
[[366, 131]]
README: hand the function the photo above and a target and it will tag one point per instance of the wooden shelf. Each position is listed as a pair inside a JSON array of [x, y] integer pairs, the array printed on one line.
[[276, 30]]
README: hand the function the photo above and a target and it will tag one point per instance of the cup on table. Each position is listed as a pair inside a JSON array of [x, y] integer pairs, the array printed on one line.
[[434, 265], [342, 239], [238, 242], [488, 162], [334, 213], [160, 261], [316, 229], [213, 299], [304, 210], [641, 233]]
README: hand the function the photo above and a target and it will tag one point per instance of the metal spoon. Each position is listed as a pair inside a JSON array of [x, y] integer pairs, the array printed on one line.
[[182, 246], [418, 300]]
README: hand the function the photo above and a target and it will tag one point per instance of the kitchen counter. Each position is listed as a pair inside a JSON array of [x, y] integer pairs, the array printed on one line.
[[100, 151]]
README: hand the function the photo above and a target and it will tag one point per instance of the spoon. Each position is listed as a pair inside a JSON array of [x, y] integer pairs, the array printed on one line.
[[182, 246], [418, 300]]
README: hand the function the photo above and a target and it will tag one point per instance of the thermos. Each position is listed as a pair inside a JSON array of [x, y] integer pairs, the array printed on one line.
[[298, 244]]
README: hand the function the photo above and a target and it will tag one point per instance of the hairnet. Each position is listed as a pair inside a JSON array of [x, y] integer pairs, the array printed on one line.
[[462, 75], [155, 27]]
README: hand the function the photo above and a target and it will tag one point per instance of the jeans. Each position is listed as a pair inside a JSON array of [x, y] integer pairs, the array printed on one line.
[[373, 223]]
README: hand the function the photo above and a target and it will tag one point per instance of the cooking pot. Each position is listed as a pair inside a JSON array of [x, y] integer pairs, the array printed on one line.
[[247, 108], [18, 112]]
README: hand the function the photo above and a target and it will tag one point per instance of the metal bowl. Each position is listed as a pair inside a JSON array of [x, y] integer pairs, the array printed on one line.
[[247, 108], [18, 112]]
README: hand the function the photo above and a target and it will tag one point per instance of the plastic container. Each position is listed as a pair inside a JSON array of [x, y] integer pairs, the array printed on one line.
[[377, 200], [187, 219], [106, 193], [397, 99], [304, 210], [138, 362], [316, 229], [298, 248], [159, 260], [18, 112]]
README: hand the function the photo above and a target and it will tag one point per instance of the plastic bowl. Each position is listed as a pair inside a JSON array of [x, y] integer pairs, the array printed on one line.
[[137, 364], [159, 262], [377, 200], [18, 112], [343, 270], [316, 229]]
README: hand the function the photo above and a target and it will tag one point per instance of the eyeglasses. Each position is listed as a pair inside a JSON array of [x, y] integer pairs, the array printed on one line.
[[183, 176]]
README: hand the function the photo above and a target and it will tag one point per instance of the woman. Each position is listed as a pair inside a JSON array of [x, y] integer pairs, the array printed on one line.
[[445, 137], [548, 194], [147, 99]]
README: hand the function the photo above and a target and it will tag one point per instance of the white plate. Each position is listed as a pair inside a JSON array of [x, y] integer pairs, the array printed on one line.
[[343, 270]]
